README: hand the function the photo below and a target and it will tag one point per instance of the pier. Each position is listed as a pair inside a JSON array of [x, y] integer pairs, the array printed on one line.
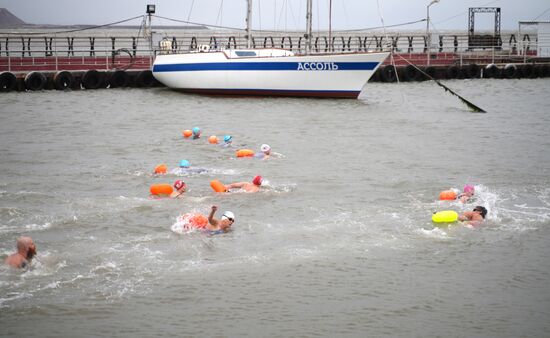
[[30, 61]]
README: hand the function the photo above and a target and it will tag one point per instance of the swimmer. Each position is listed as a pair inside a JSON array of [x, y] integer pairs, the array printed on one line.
[[474, 217], [196, 133], [185, 168], [265, 152], [247, 186], [223, 224], [467, 194], [26, 250], [160, 169], [227, 140], [180, 187]]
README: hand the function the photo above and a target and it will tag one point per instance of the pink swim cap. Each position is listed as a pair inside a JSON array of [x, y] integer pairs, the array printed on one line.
[[179, 184], [469, 188], [257, 180]]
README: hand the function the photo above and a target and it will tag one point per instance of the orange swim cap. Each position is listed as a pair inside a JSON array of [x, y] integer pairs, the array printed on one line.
[[161, 169]]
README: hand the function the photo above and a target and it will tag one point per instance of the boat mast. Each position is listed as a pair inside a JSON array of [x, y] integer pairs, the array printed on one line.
[[331, 45], [248, 22], [308, 27]]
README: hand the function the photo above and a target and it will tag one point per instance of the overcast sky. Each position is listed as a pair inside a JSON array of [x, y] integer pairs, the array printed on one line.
[[283, 14]]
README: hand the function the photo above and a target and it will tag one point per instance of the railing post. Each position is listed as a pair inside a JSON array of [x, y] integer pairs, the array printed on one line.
[[48, 50], [55, 47], [70, 49], [113, 40], [92, 46]]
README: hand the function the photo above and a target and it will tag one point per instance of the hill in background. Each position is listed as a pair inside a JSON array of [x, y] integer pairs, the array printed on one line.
[[8, 20]]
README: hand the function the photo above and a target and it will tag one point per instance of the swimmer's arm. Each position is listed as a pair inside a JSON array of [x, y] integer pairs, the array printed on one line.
[[235, 185], [211, 218], [463, 198]]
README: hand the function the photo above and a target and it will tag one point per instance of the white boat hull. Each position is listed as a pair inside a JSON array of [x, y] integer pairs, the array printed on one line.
[[331, 75]]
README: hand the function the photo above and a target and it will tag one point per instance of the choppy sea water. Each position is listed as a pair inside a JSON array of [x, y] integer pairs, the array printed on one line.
[[338, 243]]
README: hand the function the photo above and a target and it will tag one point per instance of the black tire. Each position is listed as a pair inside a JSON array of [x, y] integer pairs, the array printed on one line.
[[431, 71], [92, 79], [410, 73], [510, 71], [376, 76], [63, 80], [538, 70], [8, 82], [422, 76], [491, 72], [472, 71], [145, 79], [527, 71], [545, 70], [118, 79], [388, 74], [35, 81], [452, 72]]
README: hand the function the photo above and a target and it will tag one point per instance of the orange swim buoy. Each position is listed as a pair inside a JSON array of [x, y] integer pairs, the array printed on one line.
[[218, 186], [245, 153], [187, 133], [194, 221], [161, 189], [447, 195], [213, 139], [161, 169]]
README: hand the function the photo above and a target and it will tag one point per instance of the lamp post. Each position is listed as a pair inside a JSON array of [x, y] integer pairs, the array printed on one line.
[[150, 11], [428, 36]]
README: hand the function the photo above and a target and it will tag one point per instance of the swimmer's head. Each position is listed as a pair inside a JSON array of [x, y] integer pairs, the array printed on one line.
[[228, 215], [228, 218], [196, 131], [469, 189], [184, 164], [227, 138], [482, 211], [257, 180], [265, 148], [26, 247], [179, 184]]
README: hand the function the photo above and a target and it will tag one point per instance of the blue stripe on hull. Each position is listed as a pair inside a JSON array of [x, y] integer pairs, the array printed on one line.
[[271, 92], [267, 66]]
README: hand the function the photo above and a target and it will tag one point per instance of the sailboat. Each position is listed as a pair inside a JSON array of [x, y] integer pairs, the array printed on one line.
[[269, 71]]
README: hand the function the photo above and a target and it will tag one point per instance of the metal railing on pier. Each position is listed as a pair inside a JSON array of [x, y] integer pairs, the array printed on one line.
[[36, 50]]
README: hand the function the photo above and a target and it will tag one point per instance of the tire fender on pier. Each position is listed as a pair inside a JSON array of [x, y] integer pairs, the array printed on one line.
[[510, 71], [145, 79], [544, 70], [388, 74], [410, 73], [491, 71], [473, 71], [63, 80], [92, 79], [8, 82], [431, 71], [118, 79], [528, 71], [35, 81], [452, 72]]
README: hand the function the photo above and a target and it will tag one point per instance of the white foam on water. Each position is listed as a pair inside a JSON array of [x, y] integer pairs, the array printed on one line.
[[437, 233], [13, 296], [34, 226]]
